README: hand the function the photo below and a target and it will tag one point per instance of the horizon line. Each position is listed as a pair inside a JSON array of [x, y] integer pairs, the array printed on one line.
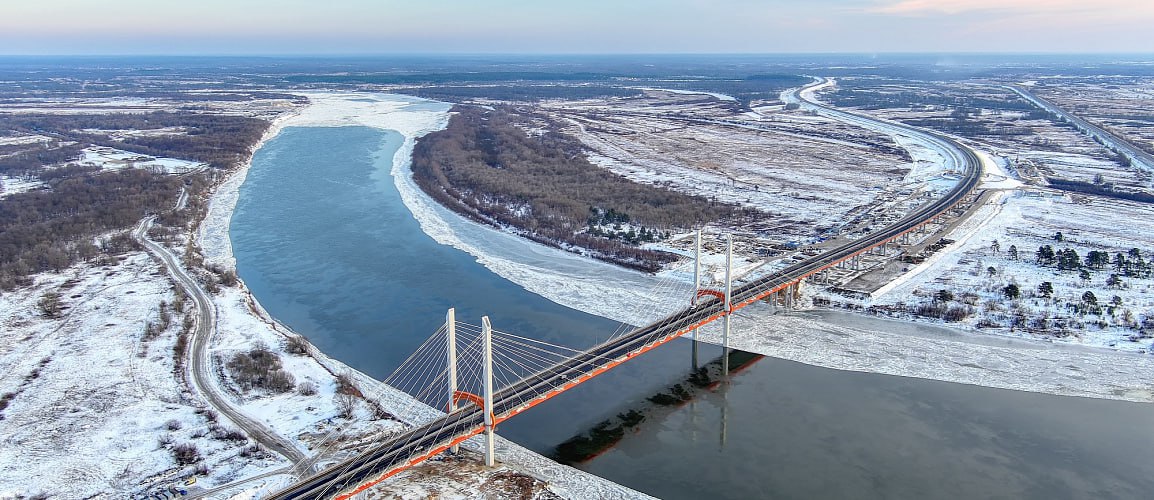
[[564, 54]]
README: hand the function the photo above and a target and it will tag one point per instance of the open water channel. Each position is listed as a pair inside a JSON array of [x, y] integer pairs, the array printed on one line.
[[324, 241]]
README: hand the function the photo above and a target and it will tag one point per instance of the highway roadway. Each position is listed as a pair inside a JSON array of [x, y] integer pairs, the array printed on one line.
[[1141, 158], [427, 440], [198, 359]]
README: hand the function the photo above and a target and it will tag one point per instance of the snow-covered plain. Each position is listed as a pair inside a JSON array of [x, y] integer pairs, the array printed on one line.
[[1037, 146], [1028, 217], [1121, 107], [807, 178]]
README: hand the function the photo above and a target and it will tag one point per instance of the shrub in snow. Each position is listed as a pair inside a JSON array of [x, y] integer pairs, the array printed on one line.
[[222, 433], [185, 454], [345, 385], [260, 368], [307, 388], [209, 415], [50, 306], [297, 345]]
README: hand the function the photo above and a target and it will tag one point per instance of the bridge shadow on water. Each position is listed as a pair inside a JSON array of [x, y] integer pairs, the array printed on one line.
[[605, 434]]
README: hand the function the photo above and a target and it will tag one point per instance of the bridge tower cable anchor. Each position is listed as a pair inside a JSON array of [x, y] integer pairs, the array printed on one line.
[[728, 304], [451, 337], [487, 332]]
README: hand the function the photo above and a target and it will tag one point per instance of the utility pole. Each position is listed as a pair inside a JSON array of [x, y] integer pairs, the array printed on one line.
[[451, 329], [696, 287], [487, 331], [728, 304]]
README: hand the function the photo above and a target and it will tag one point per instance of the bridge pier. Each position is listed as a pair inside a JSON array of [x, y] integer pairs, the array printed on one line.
[[487, 331], [728, 305], [451, 331]]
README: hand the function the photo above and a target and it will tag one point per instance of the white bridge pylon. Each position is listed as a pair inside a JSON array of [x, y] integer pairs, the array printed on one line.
[[463, 364], [487, 379], [726, 297]]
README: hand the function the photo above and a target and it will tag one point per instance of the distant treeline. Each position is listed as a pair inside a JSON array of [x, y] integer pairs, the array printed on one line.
[[222, 141], [534, 85], [1099, 189], [745, 90], [451, 77], [519, 92], [762, 87], [882, 97], [485, 167]]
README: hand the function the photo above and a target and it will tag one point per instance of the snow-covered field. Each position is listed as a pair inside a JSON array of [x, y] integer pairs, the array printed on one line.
[[261, 107], [13, 185], [1121, 106], [115, 159], [1028, 220], [809, 178], [97, 407], [1032, 145]]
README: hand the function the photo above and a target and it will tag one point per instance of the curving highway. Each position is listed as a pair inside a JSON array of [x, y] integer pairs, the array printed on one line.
[[198, 359], [420, 443]]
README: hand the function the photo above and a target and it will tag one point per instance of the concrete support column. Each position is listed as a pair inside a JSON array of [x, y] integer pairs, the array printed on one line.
[[728, 304], [487, 332], [451, 330]]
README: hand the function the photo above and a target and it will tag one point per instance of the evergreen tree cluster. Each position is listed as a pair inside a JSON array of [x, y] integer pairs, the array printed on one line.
[[1129, 264]]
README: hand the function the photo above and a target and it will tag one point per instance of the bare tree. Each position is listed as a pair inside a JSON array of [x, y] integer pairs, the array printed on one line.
[[346, 404]]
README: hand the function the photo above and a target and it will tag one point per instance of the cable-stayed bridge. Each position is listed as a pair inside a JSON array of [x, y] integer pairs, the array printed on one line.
[[491, 376]]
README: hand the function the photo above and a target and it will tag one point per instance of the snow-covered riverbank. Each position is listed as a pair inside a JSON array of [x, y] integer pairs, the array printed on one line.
[[247, 323], [598, 288]]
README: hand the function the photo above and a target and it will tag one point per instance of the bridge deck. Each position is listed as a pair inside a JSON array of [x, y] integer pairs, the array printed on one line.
[[388, 458]]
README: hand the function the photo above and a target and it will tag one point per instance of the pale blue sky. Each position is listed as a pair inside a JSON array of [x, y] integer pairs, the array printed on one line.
[[586, 26]]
